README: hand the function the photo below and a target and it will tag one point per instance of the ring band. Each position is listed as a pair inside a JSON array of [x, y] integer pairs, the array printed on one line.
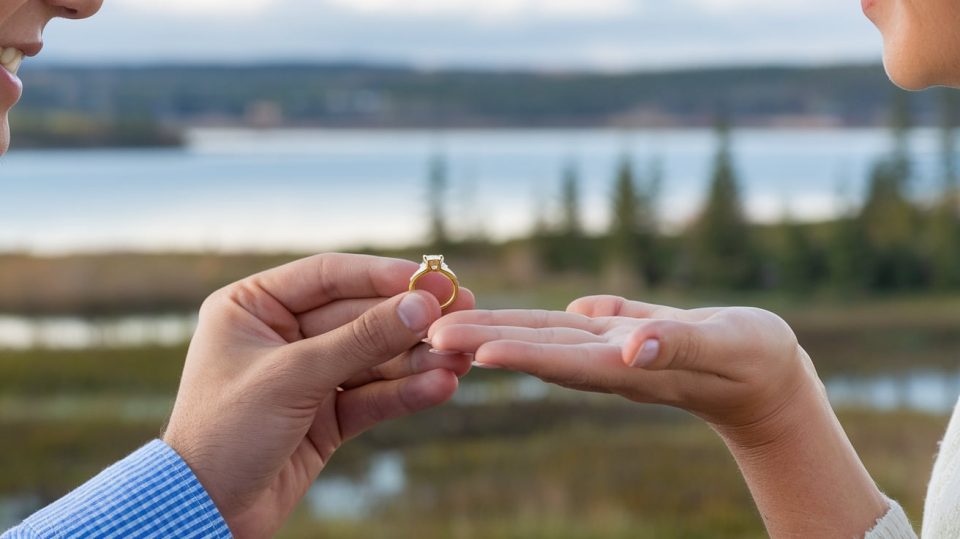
[[435, 264]]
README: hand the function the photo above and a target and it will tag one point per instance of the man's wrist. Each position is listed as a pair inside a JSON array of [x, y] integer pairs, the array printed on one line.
[[152, 493]]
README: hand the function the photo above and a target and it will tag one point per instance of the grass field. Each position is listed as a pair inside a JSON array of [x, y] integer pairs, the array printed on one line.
[[572, 467]]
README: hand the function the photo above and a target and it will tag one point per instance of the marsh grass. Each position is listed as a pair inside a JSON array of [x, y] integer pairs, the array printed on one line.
[[573, 467]]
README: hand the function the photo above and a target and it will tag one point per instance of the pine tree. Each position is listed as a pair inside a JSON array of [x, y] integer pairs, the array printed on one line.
[[571, 225], [634, 255], [437, 186], [890, 221], [721, 245], [944, 236], [569, 249], [847, 250], [901, 124], [623, 260], [799, 262]]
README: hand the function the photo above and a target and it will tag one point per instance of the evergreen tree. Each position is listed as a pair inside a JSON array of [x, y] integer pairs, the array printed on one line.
[[799, 264], [569, 249], [890, 228], [570, 225], [847, 250], [944, 236], [890, 221], [901, 124], [721, 245], [437, 185], [653, 261], [625, 222]]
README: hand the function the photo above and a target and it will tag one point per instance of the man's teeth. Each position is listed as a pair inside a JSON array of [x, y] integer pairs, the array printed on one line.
[[11, 58]]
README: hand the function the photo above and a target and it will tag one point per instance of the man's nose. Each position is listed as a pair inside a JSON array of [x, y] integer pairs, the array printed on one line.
[[76, 9]]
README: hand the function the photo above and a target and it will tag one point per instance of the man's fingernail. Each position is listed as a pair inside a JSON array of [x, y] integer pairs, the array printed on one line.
[[444, 353], [414, 313], [647, 355], [487, 366]]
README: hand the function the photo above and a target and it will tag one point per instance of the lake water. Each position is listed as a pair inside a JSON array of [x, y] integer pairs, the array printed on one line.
[[307, 190], [71, 332]]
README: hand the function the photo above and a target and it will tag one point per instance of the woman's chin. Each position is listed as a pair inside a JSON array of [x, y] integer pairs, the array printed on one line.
[[908, 75], [4, 134]]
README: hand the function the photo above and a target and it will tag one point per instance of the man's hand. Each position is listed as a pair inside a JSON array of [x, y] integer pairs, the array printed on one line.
[[289, 364]]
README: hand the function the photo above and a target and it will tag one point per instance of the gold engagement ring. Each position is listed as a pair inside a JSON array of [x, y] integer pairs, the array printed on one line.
[[435, 264]]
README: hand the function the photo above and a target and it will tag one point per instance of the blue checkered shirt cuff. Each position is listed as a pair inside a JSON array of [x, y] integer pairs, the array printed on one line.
[[151, 493]]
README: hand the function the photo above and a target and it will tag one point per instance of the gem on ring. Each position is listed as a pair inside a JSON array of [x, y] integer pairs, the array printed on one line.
[[435, 264]]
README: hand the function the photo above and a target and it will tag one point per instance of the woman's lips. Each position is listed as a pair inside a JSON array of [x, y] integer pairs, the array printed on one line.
[[11, 88]]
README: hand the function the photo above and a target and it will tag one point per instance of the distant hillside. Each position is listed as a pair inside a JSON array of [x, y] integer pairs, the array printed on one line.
[[371, 96]]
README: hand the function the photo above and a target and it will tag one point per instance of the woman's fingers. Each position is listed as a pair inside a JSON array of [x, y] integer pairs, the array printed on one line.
[[706, 347], [468, 338], [600, 306], [364, 407], [339, 313], [577, 365], [519, 318], [416, 361]]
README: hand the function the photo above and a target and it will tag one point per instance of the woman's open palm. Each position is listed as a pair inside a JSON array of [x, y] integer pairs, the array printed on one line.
[[731, 366]]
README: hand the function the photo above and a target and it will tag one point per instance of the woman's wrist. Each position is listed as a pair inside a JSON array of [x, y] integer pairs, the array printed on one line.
[[802, 470], [777, 414]]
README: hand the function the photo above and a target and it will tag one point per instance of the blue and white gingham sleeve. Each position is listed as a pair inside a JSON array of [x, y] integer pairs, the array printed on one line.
[[151, 493]]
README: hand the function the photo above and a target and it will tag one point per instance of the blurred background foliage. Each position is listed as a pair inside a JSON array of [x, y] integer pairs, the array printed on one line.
[[872, 293]]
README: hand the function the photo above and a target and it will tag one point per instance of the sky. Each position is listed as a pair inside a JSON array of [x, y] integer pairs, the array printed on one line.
[[607, 35]]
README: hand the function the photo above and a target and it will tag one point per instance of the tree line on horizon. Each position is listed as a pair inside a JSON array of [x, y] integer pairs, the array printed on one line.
[[893, 241]]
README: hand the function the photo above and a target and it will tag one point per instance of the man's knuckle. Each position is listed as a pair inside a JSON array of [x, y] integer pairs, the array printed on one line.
[[213, 302], [369, 337], [377, 409]]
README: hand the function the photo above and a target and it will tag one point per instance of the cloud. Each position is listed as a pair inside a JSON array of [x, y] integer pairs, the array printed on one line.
[[549, 34], [223, 8], [824, 7], [490, 9]]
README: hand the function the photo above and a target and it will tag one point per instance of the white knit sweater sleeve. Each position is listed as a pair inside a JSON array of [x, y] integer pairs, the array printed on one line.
[[941, 514], [893, 525]]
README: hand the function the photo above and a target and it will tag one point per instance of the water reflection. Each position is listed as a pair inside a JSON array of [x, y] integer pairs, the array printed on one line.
[[515, 389], [922, 390], [339, 497], [23, 333]]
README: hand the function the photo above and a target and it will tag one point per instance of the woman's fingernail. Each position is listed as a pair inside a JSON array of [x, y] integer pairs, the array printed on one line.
[[647, 355], [487, 366], [414, 313]]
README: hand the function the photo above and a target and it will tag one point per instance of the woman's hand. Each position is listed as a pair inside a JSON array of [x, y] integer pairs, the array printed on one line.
[[734, 367], [740, 369], [289, 364]]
